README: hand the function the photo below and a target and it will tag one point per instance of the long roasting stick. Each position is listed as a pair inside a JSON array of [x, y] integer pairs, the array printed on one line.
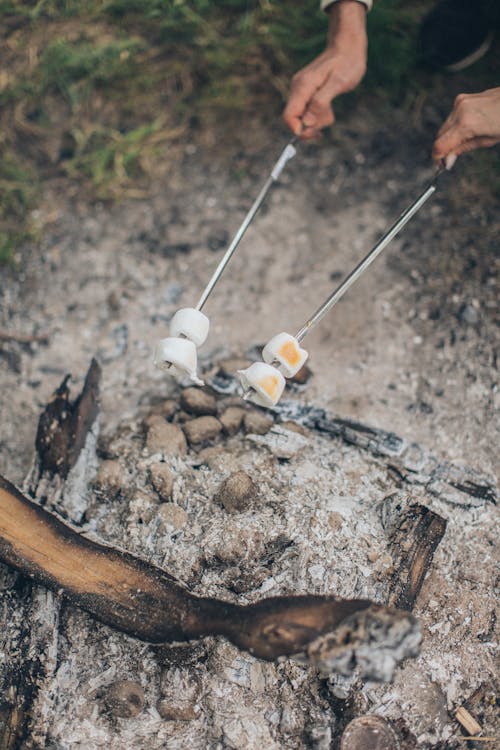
[[288, 153], [368, 259]]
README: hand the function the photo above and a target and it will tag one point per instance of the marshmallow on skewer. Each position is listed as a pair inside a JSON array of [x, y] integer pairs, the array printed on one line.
[[190, 323], [264, 384], [285, 349], [179, 354]]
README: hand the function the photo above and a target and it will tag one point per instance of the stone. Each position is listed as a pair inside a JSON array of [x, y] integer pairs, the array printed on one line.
[[125, 698], [172, 515], [202, 429], [468, 314], [369, 732], [237, 492], [302, 376], [110, 475], [231, 419], [289, 424], [174, 712], [162, 479], [229, 367], [199, 402], [141, 507], [166, 409], [257, 422], [166, 438]]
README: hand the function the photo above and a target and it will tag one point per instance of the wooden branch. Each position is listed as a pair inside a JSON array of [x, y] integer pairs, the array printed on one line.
[[64, 425], [145, 602], [452, 483], [413, 539]]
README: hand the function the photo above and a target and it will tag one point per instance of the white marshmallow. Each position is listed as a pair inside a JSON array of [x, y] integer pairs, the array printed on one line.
[[285, 349], [179, 355], [266, 383], [190, 323]]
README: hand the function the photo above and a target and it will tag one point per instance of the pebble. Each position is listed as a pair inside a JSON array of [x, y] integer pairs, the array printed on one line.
[[172, 712], [162, 479], [237, 492], [369, 732], [231, 419], [257, 423], [172, 515], [110, 475], [165, 409], [202, 429], [229, 366], [468, 314], [125, 699], [302, 376], [295, 427], [199, 402], [166, 438]]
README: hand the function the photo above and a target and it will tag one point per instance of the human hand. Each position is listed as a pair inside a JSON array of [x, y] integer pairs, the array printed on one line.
[[336, 71], [473, 123]]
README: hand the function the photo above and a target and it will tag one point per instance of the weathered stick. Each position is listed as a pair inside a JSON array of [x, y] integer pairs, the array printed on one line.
[[414, 539], [143, 601], [64, 425]]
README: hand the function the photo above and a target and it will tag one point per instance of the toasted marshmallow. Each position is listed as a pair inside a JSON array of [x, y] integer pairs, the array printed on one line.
[[285, 349], [264, 383], [191, 323], [179, 355]]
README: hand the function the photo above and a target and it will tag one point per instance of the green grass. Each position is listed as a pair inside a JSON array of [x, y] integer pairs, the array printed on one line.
[[96, 91]]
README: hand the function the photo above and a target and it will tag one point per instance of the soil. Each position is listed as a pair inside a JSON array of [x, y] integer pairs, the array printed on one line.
[[411, 349]]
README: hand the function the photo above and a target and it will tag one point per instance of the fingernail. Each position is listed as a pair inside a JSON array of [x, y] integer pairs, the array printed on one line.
[[450, 160]]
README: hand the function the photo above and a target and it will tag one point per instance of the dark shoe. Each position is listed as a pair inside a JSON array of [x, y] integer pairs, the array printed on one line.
[[455, 34]]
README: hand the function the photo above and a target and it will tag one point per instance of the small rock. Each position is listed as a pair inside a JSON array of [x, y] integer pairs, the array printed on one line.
[[257, 423], [468, 314], [172, 515], [302, 376], [109, 475], [208, 456], [369, 732], [173, 712], [335, 520], [202, 429], [229, 367], [199, 402], [125, 699], [162, 479], [166, 438], [231, 419], [237, 492], [295, 427], [165, 409], [141, 507]]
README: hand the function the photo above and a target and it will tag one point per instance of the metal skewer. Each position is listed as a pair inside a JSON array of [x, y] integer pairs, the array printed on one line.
[[368, 259], [288, 153]]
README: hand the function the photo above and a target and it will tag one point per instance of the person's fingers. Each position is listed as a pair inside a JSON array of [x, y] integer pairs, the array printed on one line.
[[303, 87], [480, 141], [450, 140]]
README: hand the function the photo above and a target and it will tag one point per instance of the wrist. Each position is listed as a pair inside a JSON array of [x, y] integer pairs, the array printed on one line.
[[347, 24]]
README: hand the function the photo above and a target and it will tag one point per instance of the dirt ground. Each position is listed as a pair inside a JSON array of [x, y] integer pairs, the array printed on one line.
[[411, 349]]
